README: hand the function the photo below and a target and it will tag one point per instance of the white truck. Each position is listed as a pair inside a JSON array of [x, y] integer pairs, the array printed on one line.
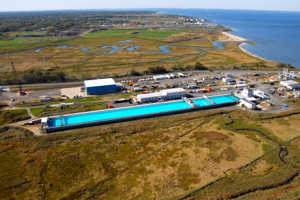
[[260, 94]]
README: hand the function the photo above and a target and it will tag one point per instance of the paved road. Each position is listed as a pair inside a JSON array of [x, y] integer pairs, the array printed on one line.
[[237, 73], [85, 32], [7, 96]]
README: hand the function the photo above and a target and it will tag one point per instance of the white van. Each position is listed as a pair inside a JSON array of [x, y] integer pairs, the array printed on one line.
[[136, 85]]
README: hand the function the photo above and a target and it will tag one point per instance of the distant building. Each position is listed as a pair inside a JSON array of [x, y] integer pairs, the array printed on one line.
[[227, 80], [100, 86], [247, 93], [175, 93], [290, 84]]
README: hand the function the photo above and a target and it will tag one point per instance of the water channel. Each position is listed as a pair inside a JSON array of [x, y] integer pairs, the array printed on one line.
[[163, 49]]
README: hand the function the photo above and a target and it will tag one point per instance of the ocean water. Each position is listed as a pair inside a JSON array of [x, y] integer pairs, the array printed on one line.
[[276, 33]]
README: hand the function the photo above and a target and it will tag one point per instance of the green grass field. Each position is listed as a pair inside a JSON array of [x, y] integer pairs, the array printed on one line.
[[58, 101], [25, 43], [127, 33], [30, 33], [13, 42]]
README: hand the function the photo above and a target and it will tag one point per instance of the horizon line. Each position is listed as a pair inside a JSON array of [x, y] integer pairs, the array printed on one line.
[[148, 9]]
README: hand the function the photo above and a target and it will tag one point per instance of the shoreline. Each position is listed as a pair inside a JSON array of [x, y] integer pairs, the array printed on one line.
[[251, 54], [237, 38], [232, 37]]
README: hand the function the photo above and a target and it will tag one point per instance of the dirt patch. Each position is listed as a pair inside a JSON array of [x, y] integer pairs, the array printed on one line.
[[211, 135], [134, 32]]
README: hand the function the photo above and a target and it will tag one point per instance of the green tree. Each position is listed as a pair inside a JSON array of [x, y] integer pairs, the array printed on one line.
[[135, 73], [199, 66], [50, 29]]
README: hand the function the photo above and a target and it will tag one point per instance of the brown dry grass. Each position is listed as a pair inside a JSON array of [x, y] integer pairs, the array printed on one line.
[[283, 128], [143, 159]]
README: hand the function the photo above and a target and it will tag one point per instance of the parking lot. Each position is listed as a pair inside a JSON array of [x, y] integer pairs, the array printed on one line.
[[212, 80]]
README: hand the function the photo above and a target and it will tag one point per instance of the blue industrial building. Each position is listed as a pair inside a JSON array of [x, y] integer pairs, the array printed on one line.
[[100, 86]]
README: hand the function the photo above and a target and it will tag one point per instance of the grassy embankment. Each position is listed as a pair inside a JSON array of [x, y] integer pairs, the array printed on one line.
[[158, 158], [58, 101], [75, 62], [83, 107], [12, 116]]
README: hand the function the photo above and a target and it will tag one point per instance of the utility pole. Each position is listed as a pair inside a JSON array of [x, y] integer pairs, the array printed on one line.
[[16, 76]]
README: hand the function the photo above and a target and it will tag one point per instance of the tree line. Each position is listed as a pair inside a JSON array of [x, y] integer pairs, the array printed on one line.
[[61, 20], [33, 76], [163, 70]]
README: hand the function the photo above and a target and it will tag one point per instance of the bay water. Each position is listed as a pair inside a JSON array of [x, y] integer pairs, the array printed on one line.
[[276, 33]]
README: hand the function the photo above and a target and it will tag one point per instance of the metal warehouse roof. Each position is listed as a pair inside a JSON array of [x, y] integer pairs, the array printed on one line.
[[99, 82], [168, 91], [289, 82], [161, 93], [151, 95]]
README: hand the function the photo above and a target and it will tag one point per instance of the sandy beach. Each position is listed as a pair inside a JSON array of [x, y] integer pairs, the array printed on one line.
[[244, 50], [233, 37]]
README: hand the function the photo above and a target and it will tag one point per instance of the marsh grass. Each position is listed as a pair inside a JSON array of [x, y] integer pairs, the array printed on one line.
[[144, 159], [244, 181], [76, 63]]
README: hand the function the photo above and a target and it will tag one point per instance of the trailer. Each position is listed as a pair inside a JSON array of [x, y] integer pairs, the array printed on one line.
[[240, 86], [123, 100], [191, 86]]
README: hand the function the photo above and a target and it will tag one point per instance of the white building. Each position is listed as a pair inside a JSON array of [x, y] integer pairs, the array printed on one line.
[[247, 103], [100, 86], [290, 84], [175, 93], [247, 94]]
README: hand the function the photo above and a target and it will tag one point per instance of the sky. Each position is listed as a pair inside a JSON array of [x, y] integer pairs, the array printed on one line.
[[32, 5]]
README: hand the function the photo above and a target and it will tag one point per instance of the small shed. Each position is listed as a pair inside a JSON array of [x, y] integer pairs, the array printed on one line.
[[44, 120]]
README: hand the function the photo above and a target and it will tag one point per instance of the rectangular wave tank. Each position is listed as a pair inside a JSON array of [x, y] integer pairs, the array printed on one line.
[[98, 117], [100, 86]]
